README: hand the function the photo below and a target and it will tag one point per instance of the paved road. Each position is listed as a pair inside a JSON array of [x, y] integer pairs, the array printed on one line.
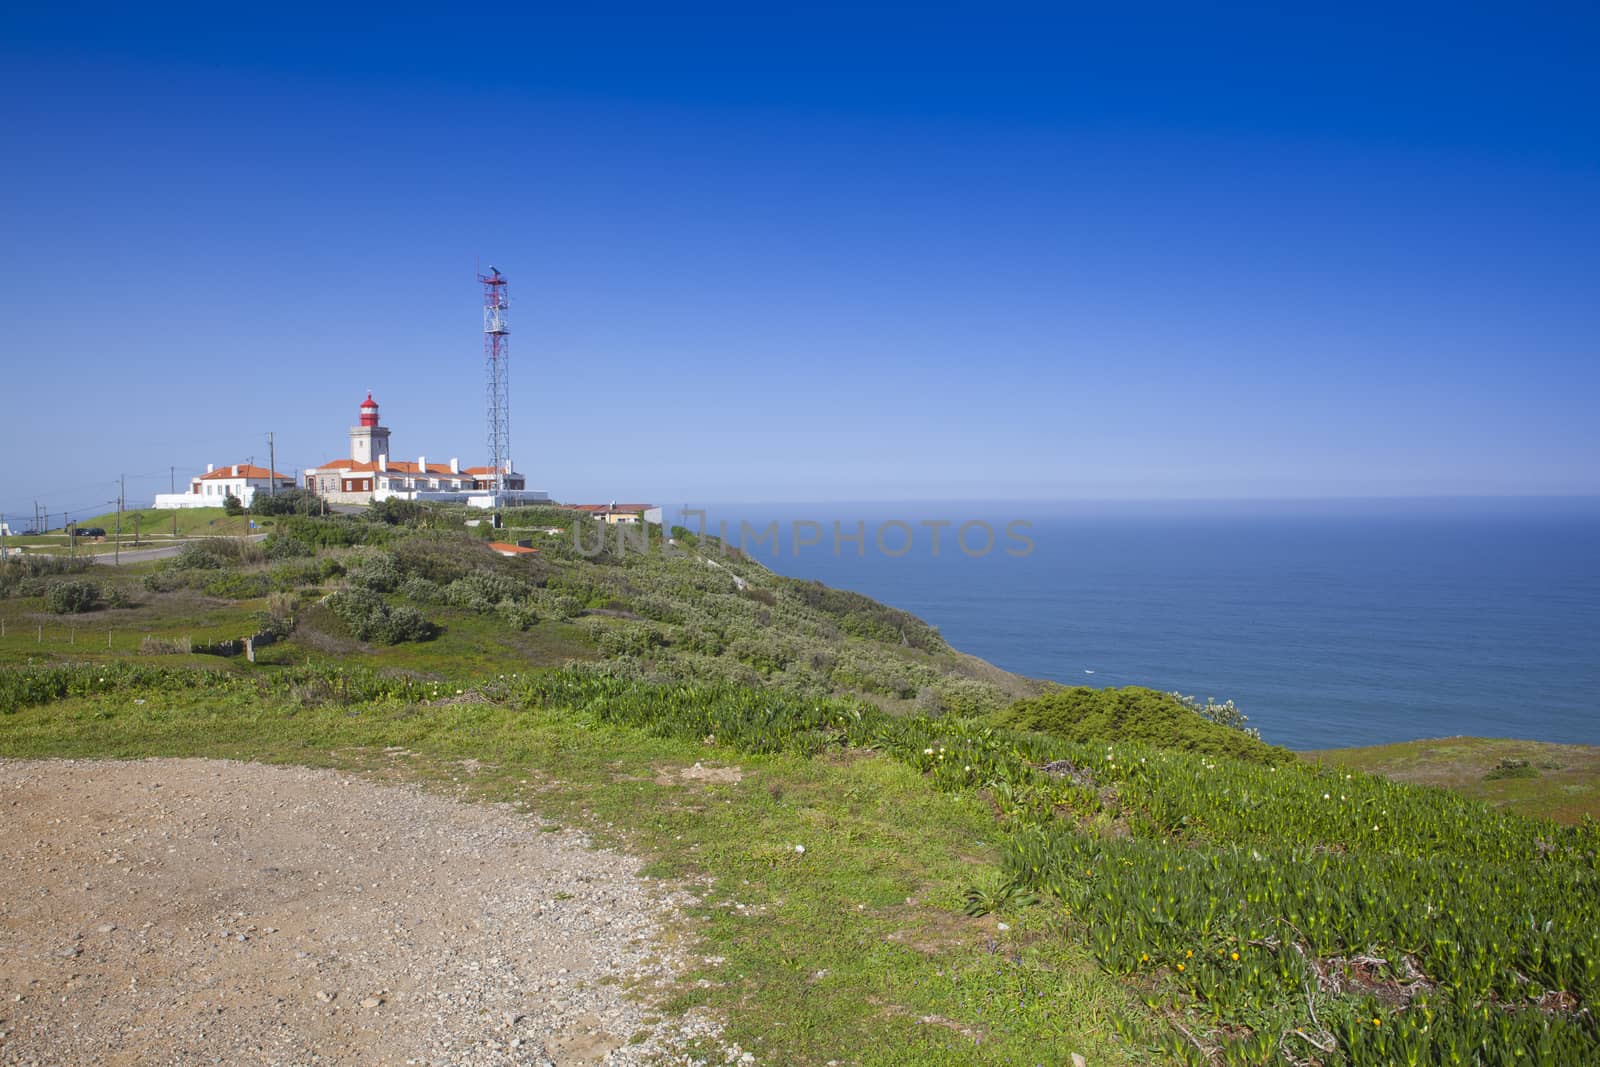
[[139, 555]]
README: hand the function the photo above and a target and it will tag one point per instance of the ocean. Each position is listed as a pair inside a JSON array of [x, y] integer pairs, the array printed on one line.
[[1329, 624]]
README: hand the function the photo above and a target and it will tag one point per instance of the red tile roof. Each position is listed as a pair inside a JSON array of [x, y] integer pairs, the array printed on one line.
[[245, 471], [609, 509], [508, 549]]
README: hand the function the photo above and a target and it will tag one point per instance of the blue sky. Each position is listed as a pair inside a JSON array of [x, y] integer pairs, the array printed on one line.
[[903, 254]]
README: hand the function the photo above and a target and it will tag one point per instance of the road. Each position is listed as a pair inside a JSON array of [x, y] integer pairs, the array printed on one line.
[[139, 555]]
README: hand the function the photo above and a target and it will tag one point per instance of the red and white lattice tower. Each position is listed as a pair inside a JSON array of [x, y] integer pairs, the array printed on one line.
[[496, 356]]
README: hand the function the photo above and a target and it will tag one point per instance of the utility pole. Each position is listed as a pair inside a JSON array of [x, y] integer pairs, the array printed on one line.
[[272, 465], [122, 489], [172, 486]]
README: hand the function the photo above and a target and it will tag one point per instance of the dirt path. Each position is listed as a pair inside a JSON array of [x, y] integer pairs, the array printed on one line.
[[195, 911]]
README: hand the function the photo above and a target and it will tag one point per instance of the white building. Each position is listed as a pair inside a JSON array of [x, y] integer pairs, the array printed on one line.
[[370, 475], [212, 489]]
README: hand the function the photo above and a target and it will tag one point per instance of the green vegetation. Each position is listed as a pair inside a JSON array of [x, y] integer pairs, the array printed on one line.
[[1135, 714], [69, 596], [918, 858], [30, 576], [1259, 910], [1560, 782]]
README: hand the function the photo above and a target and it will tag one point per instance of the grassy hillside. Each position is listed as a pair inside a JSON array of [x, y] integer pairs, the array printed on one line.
[[686, 612], [1560, 782], [901, 855]]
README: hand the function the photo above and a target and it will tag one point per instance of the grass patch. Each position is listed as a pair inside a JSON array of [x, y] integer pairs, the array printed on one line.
[[1560, 782]]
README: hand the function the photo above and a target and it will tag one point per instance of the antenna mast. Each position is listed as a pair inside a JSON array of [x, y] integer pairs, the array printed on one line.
[[496, 356]]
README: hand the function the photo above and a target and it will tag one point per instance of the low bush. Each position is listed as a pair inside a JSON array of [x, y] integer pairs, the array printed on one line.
[[279, 546], [286, 502], [295, 574], [335, 532], [214, 553], [29, 575], [482, 591], [420, 590], [376, 571], [239, 585], [370, 618], [520, 615], [1082, 715], [71, 596]]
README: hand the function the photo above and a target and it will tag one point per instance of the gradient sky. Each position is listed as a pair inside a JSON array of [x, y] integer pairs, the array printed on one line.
[[902, 254]]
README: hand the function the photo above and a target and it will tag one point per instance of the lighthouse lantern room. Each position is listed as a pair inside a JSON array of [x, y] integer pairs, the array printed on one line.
[[369, 441]]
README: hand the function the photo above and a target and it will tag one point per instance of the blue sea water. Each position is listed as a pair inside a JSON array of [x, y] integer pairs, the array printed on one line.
[[1329, 625]]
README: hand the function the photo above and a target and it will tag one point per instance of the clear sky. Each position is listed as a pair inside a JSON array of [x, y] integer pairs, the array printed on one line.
[[915, 253]]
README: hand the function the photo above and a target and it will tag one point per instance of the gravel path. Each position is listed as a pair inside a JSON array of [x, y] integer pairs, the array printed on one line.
[[196, 911]]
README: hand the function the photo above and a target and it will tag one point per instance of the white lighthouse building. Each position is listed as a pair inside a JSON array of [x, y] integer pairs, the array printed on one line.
[[368, 441], [370, 474]]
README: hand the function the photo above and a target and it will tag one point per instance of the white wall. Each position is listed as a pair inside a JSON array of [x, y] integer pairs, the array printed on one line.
[[245, 492]]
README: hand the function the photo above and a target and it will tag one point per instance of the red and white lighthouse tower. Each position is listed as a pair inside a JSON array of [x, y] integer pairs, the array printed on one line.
[[368, 440]]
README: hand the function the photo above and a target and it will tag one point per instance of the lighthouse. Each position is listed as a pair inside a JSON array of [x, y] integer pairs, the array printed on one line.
[[368, 440]]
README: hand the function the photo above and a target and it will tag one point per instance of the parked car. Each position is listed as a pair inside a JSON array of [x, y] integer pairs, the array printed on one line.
[[91, 531]]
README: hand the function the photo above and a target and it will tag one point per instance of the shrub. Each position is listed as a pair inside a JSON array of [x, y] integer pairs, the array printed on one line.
[[232, 505], [213, 553], [29, 575], [280, 546], [118, 597], [194, 556], [1224, 714], [167, 580], [659, 609], [396, 512], [1082, 715], [522, 616], [71, 596], [239, 585], [375, 571], [295, 574], [420, 590], [370, 618], [566, 607], [969, 698], [285, 502], [482, 591], [862, 616], [338, 532], [630, 640], [437, 559]]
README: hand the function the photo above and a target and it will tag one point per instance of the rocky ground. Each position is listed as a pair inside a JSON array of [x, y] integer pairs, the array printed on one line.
[[194, 911]]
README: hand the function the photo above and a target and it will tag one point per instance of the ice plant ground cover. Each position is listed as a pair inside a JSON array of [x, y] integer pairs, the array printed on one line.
[[1262, 910]]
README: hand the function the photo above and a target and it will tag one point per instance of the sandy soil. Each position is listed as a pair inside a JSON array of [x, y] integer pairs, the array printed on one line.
[[193, 911]]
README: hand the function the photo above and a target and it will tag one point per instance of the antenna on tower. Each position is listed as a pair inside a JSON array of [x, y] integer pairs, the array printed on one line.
[[496, 356]]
